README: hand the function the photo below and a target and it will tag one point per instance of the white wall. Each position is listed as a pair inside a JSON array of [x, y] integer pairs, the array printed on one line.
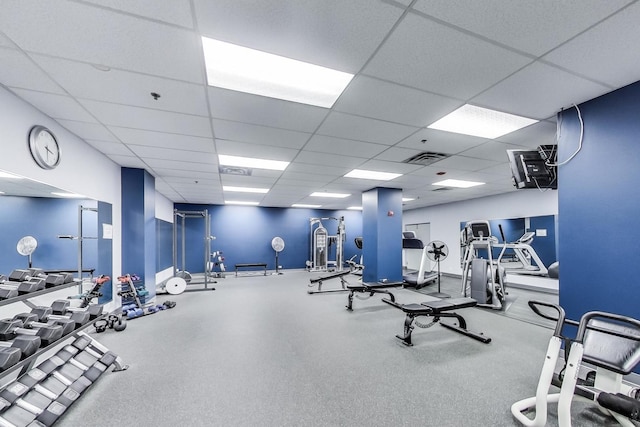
[[82, 168], [164, 208], [445, 219]]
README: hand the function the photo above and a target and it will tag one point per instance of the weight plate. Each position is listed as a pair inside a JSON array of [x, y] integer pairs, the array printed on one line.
[[175, 285]]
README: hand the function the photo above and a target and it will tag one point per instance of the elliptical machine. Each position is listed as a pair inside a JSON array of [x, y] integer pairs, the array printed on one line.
[[487, 282]]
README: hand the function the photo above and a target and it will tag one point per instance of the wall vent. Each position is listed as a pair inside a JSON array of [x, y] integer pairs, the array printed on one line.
[[426, 158]]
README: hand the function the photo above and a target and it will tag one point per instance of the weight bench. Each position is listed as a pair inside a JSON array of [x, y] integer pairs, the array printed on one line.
[[437, 309], [371, 289], [250, 265], [334, 275]]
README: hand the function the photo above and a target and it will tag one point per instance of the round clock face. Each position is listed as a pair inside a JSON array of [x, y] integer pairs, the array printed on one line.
[[44, 147]]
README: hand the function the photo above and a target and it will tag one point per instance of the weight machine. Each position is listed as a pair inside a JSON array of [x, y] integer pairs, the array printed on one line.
[[321, 243]]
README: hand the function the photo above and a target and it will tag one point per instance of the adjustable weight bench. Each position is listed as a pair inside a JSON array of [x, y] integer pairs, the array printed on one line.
[[371, 288], [437, 309], [333, 275]]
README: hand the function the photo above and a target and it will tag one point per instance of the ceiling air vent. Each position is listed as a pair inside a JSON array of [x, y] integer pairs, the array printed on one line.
[[443, 189], [426, 158], [235, 170]]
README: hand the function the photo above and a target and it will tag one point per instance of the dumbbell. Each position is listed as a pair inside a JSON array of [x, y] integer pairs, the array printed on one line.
[[46, 314], [11, 328], [27, 344], [20, 281], [63, 307]]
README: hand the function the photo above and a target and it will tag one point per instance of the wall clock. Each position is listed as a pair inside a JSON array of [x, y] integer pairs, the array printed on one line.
[[44, 147]]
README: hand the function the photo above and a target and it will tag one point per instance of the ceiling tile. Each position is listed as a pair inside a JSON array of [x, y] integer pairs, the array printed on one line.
[[532, 136], [491, 150], [87, 131], [440, 141], [115, 148], [147, 153], [100, 36], [541, 91], [144, 118], [364, 129], [430, 56], [56, 106], [176, 12], [608, 52], [245, 132], [347, 147], [162, 140], [234, 148], [466, 163], [322, 159], [533, 27], [260, 110], [18, 71], [369, 97]]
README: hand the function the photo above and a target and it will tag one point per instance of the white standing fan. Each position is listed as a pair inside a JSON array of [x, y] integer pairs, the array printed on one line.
[[278, 245], [437, 251], [26, 246]]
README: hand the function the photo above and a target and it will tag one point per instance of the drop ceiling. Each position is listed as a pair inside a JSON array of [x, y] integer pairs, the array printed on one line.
[[92, 65]]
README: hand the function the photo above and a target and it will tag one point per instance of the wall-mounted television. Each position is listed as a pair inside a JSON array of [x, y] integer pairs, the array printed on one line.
[[534, 168]]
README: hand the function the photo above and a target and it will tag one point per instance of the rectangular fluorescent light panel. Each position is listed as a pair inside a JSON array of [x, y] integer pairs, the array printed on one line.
[[302, 205], [260, 73], [249, 162], [239, 202], [457, 183], [408, 199], [365, 174], [69, 195], [333, 195], [244, 189], [482, 122], [355, 208]]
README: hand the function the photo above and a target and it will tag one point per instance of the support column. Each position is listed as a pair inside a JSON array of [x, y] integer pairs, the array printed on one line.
[[382, 234], [139, 226]]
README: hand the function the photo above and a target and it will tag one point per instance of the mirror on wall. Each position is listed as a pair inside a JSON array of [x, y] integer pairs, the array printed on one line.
[[524, 246], [64, 232]]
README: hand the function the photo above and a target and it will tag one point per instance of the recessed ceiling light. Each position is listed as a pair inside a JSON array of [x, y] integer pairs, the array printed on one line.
[[9, 175], [249, 162], [355, 208], [240, 202], [408, 199], [457, 183], [333, 195], [302, 205], [244, 189], [69, 195], [252, 71], [365, 174], [482, 122]]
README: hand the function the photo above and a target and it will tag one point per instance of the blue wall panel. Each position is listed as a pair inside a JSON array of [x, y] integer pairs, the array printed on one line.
[[244, 234], [598, 205]]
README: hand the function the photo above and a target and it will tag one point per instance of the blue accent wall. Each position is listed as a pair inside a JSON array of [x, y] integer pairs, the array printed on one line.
[[598, 205], [244, 234], [46, 219], [382, 239]]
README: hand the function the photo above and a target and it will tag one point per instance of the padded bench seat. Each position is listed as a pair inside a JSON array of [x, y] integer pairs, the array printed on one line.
[[437, 309], [328, 276], [371, 289], [252, 265]]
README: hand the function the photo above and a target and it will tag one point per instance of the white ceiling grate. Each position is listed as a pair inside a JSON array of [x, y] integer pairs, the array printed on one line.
[[426, 158]]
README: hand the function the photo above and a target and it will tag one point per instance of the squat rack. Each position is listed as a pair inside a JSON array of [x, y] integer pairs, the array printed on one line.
[[179, 218]]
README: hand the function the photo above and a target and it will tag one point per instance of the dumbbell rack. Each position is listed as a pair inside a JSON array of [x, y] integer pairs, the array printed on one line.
[[40, 396]]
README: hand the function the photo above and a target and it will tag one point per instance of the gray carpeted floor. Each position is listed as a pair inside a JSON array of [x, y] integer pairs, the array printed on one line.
[[260, 351]]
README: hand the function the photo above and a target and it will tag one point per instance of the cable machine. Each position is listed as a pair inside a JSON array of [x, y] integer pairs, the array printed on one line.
[[321, 243], [80, 238]]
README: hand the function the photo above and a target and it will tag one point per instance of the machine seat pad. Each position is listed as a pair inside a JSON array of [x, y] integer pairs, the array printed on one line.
[[450, 304], [416, 309]]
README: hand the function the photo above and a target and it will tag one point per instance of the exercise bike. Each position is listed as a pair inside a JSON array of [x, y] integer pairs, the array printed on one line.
[[611, 343]]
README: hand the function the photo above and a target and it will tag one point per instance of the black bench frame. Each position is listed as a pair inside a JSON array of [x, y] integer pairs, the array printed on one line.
[[371, 289], [249, 265], [437, 310], [333, 275]]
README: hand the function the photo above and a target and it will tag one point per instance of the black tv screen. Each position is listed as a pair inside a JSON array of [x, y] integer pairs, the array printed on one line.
[[534, 168]]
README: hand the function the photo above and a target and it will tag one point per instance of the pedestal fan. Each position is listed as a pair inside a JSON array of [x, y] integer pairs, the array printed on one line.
[[26, 246], [278, 245], [437, 251]]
